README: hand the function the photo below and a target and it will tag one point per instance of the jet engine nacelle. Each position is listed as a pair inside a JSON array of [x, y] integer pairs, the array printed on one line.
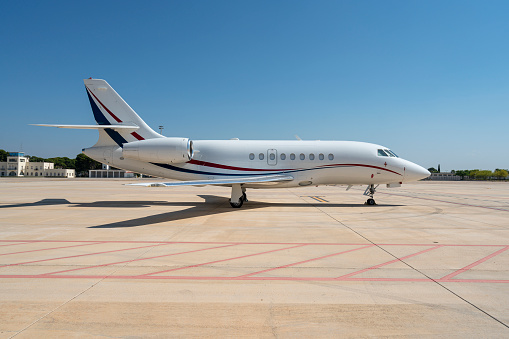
[[160, 150]]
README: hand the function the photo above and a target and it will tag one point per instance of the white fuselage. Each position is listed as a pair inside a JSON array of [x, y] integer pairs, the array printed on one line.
[[309, 162]]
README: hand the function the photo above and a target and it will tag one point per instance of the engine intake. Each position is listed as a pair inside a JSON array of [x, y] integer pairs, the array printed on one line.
[[160, 150]]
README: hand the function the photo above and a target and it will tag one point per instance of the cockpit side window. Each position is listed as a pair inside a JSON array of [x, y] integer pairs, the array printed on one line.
[[382, 153], [391, 153]]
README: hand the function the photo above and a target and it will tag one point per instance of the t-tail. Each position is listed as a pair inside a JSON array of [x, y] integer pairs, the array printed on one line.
[[109, 109]]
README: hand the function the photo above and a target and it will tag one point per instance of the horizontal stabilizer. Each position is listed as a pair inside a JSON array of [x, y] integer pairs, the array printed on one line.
[[99, 127], [245, 180]]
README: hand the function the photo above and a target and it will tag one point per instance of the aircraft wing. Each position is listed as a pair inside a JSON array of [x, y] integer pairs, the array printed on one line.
[[243, 180], [113, 127]]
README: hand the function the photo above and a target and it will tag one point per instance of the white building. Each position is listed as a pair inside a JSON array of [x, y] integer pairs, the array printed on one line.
[[17, 165], [107, 172]]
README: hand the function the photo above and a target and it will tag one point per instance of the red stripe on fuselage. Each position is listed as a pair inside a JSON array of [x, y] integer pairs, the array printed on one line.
[[234, 168], [137, 136], [106, 108]]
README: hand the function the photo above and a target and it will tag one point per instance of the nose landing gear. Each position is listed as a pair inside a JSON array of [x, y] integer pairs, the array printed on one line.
[[370, 192], [238, 196]]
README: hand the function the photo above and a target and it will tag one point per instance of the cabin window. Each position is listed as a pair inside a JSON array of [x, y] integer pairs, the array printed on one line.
[[283, 156], [260, 156], [331, 156], [311, 156], [321, 156], [292, 156], [382, 153], [272, 156], [302, 156], [251, 156]]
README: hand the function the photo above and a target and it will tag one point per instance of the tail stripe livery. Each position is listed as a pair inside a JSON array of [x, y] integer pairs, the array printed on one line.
[[106, 108], [110, 109]]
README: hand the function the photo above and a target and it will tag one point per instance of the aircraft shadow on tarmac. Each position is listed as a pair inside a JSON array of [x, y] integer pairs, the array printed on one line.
[[211, 205]]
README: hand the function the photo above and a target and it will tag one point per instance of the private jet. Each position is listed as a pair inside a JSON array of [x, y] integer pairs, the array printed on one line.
[[127, 142]]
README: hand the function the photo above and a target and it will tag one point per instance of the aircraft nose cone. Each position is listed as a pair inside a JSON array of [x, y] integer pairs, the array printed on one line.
[[415, 172]]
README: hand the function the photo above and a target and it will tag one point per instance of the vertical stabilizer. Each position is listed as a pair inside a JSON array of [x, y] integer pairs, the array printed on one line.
[[110, 109]]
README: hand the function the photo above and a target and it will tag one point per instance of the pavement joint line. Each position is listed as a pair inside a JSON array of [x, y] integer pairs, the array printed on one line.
[[222, 260], [388, 262], [448, 202], [76, 296], [478, 262], [436, 281]]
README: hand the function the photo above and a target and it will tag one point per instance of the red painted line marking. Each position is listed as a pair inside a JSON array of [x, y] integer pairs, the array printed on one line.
[[18, 243], [448, 202], [53, 248], [19, 276], [129, 261], [241, 243], [302, 262], [480, 261], [222, 260], [82, 255], [387, 263]]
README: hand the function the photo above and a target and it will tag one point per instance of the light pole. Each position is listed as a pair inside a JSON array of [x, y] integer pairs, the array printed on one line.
[[161, 130]]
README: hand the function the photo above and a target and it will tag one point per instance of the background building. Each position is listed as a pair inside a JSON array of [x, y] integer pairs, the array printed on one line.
[[107, 172], [17, 165]]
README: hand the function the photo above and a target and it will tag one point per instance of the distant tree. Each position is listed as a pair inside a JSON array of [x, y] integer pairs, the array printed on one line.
[[432, 170], [500, 173], [483, 174], [438, 168], [83, 164], [462, 173], [63, 162], [3, 155], [34, 158]]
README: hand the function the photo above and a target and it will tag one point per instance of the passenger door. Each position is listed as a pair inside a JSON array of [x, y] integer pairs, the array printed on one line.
[[272, 157]]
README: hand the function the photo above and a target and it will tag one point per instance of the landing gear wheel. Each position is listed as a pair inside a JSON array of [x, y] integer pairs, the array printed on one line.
[[237, 204], [370, 201]]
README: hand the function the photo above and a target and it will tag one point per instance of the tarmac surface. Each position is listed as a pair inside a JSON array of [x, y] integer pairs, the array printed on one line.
[[95, 258]]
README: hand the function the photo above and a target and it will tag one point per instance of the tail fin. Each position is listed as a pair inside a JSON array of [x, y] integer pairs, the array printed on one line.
[[110, 109]]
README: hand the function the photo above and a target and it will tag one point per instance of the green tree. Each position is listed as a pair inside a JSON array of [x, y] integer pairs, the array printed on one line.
[[34, 158], [500, 173], [83, 164], [63, 162], [462, 173], [432, 170], [483, 174], [3, 155]]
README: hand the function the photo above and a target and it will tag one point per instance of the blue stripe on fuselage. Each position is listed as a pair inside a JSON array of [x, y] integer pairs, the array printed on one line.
[[186, 170]]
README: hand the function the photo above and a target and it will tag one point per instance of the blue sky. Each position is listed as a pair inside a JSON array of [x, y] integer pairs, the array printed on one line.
[[429, 79]]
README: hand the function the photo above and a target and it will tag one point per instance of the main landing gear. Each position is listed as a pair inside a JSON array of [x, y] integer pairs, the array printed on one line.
[[238, 196], [370, 192]]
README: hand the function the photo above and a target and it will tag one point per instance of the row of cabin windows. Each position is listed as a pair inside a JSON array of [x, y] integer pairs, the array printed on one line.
[[302, 156]]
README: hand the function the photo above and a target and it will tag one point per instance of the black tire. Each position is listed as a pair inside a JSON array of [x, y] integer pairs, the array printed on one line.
[[370, 202], [237, 204]]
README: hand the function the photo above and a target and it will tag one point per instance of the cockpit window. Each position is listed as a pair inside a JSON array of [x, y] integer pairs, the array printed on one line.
[[382, 153], [391, 153]]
